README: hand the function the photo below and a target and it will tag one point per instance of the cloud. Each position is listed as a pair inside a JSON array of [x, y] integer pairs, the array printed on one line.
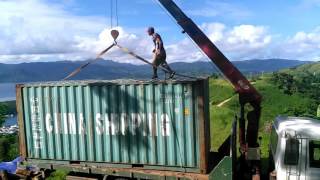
[[303, 45], [253, 42], [29, 27], [240, 42], [32, 30], [36, 30], [237, 43], [141, 45]]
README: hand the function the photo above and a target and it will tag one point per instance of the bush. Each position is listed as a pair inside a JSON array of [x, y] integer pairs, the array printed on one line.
[[3, 112], [58, 175], [8, 147]]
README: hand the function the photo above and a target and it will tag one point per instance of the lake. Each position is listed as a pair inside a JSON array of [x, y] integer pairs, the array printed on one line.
[[10, 121], [7, 92]]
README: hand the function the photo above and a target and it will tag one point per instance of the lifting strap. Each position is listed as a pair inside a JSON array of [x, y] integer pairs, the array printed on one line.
[[126, 50], [89, 62], [115, 34]]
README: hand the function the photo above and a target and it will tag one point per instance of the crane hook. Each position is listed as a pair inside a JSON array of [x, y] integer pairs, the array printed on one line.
[[115, 34]]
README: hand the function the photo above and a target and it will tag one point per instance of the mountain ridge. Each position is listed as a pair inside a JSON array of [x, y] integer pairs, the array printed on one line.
[[108, 69]]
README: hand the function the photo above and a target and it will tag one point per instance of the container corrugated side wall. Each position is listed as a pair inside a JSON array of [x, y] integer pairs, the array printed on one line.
[[150, 124]]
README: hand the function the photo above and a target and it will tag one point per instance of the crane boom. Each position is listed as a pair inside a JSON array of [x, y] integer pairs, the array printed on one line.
[[247, 93], [240, 83]]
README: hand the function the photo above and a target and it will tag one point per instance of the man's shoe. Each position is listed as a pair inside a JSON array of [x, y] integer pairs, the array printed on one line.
[[154, 77], [172, 75]]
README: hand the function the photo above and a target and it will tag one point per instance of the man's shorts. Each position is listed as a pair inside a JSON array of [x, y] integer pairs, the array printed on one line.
[[159, 59]]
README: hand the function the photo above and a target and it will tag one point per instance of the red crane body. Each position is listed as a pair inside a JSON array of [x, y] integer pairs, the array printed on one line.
[[247, 93]]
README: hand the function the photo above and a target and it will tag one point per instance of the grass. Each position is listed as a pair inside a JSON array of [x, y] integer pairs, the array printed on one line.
[[221, 121], [219, 90], [58, 175]]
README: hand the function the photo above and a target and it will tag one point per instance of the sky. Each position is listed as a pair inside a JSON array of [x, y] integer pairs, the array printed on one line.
[[54, 30]]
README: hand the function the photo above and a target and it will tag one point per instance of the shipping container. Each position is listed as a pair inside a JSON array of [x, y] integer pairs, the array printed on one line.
[[120, 123]]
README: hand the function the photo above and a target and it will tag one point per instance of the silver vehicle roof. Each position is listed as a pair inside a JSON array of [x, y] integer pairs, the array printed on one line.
[[301, 126]]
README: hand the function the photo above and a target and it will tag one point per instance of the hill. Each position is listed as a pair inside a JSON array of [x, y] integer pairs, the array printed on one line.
[[107, 69], [312, 68], [275, 102], [292, 92]]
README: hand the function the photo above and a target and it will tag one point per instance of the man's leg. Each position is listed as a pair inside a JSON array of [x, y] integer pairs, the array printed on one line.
[[166, 66], [155, 64], [163, 63], [155, 74]]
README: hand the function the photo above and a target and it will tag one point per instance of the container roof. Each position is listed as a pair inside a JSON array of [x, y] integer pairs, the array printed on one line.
[[116, 81], [302, 126]]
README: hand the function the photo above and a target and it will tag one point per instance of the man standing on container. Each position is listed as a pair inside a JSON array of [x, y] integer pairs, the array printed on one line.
[[159, 54]]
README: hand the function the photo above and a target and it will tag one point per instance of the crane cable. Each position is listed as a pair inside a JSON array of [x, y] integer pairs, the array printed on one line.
[[117, 17], [114, 34], [114, 13]]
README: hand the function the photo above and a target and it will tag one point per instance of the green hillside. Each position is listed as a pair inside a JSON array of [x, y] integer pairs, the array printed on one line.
[[108, 69], [275, 102], [303, 69]]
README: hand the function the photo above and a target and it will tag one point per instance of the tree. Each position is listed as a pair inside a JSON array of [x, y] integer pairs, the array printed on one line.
[[286, 82], [3, 112], [8, 147]]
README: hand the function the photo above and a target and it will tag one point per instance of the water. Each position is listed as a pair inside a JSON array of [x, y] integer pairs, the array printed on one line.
[[7, 92], [12, 120]]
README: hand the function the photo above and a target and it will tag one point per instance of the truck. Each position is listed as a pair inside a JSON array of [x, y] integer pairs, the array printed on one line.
[[127, 128], [295, 148]]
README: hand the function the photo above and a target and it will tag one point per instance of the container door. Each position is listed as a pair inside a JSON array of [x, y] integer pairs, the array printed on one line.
[[313, 160], [294, 159], [234, 148]]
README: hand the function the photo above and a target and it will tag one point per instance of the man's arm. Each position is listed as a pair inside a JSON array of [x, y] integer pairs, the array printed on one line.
[[158, 45]]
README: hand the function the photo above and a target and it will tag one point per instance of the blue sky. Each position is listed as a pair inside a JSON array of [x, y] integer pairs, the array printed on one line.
[[51, 30]]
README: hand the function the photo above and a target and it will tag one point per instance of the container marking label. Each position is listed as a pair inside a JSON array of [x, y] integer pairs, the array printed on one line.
[[35, 123], [108, 124]]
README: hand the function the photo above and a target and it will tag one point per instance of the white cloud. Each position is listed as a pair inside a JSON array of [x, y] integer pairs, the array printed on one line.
[[246, 42], [303, 45], [183, 51], [141, 45], [237, 43], [34, 30], [30, 27], [252, 42]]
